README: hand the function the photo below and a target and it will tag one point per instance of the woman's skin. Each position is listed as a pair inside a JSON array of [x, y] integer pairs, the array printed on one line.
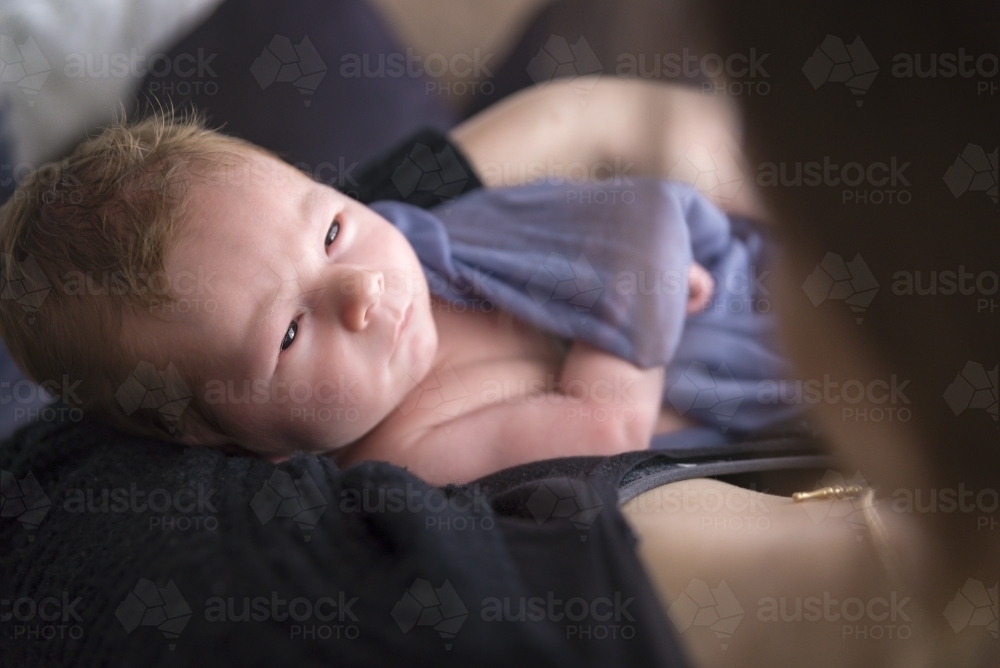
[[748, 547], [617, 130]]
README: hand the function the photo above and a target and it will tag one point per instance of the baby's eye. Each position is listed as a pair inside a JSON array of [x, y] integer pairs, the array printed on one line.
[[331, 234], [293, 329]]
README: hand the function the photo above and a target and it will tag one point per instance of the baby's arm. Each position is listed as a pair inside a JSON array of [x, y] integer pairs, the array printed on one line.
[[631, 395], [604, 405]]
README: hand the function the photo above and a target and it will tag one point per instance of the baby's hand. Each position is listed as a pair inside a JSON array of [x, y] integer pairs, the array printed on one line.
[[700, 288]]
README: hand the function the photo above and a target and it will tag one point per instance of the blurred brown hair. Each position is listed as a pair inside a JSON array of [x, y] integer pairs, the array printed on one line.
[[83, 242]]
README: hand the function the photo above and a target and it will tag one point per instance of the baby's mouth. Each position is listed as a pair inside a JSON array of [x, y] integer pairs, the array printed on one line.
[[402, 326]]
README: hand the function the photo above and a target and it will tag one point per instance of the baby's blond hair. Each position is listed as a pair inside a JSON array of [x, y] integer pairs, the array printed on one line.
[[105, 216]]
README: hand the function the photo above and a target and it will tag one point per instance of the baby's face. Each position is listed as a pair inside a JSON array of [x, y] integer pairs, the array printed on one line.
[[321, 309]]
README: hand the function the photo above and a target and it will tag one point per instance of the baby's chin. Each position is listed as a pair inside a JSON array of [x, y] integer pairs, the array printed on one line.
[[279, 457], [281, 446]]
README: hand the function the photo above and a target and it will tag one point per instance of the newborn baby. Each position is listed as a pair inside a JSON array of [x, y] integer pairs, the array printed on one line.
[[311, 302]]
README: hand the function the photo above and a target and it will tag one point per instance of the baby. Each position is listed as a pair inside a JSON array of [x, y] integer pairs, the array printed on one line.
[[283, 316]]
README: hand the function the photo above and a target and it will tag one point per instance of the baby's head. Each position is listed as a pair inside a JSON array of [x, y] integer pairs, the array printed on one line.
[[201, 289]]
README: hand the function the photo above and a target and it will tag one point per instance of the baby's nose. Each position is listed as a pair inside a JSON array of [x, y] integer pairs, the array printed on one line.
[[360, 307]]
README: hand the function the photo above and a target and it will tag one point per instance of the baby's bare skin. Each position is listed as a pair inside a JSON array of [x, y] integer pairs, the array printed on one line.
[[500, 367]]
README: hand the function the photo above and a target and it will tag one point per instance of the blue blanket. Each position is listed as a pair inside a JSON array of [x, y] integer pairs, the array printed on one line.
[[608, 265]]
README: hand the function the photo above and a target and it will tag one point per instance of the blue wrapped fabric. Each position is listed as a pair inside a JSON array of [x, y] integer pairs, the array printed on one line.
[[608, 265]]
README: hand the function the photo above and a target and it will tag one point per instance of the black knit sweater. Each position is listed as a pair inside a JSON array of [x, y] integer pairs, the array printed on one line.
[[127, 552]]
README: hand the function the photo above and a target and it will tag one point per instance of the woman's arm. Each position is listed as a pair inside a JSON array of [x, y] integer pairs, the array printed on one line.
[[619, 128]]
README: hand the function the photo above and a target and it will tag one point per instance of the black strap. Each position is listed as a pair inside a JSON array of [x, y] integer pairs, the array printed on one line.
[[425, 170]]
